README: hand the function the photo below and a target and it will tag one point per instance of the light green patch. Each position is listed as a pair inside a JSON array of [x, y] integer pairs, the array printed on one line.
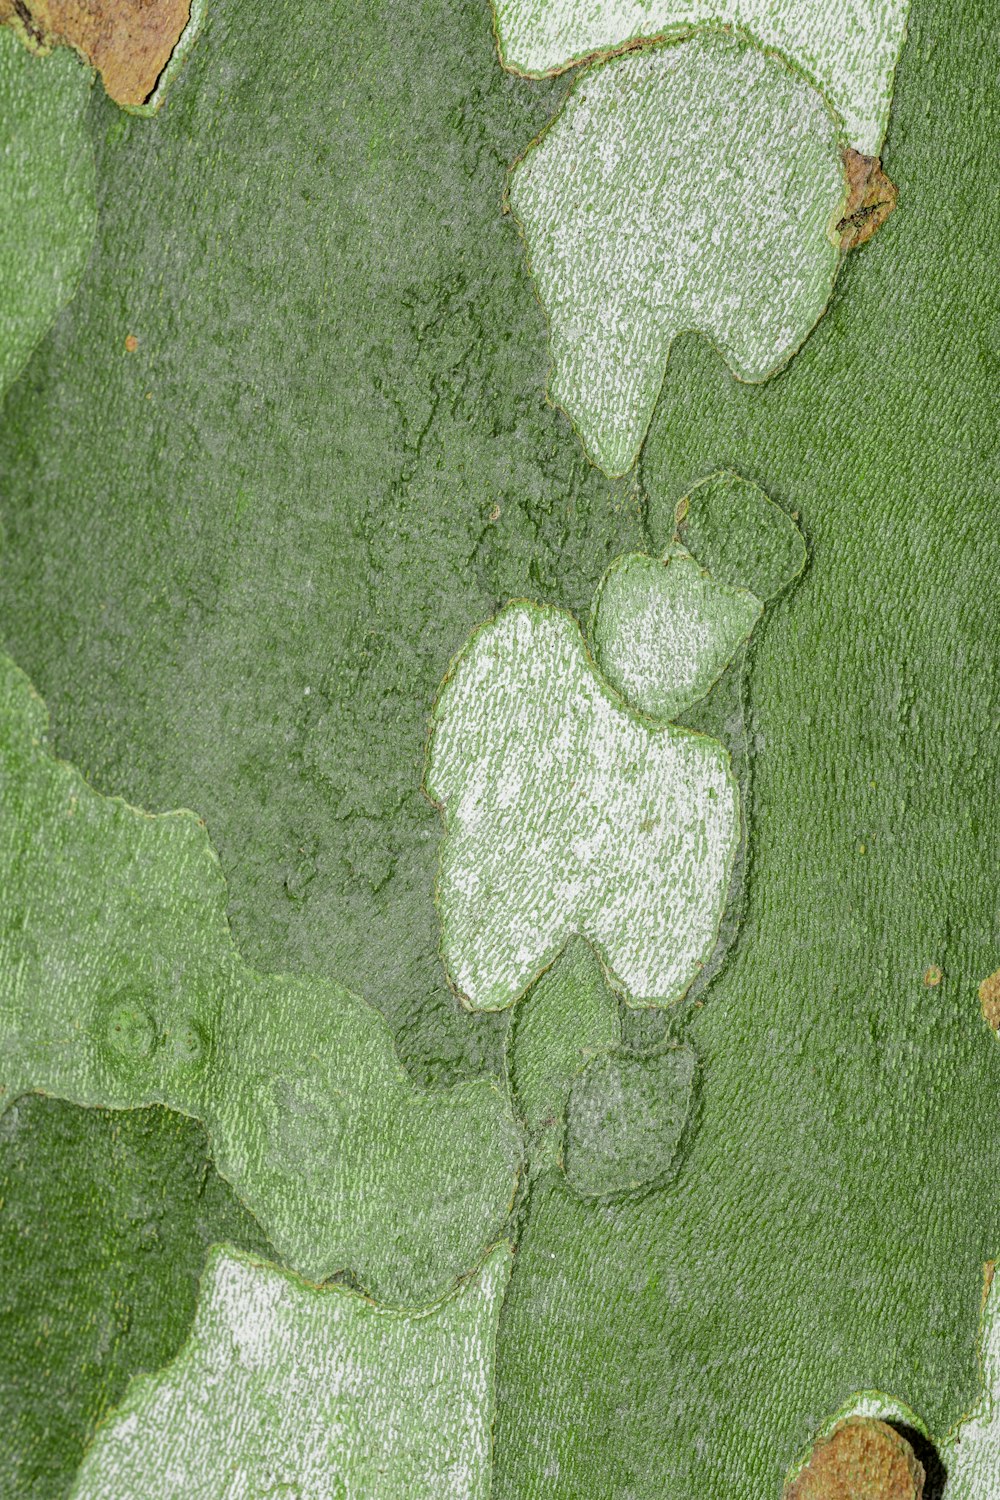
[[48, 211], [120, 986], [285, 1389], [625, 1119], [740, 535], [849, 51], [664, 631], [568, 1015], [692, 186], [971, 1451], [565, 814]]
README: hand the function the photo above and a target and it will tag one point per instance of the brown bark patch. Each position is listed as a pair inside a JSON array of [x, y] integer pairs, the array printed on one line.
[[989, 1000], [862, 1459], [129, 42], [871, 198]]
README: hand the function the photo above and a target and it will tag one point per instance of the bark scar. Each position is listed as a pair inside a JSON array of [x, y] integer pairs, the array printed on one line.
[[989, 1000], [871, 198], [861, 1459], [129, 42]]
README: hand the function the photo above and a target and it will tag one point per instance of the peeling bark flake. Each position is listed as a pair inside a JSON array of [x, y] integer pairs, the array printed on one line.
[[871, 199], [129, 42], [989, 1000], [861, 1459]]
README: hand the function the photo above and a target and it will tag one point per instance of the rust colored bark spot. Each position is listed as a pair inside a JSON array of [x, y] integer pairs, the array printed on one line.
[[933, 976], [989, 1000], [862, 1459], [129, 42], [871, 199]]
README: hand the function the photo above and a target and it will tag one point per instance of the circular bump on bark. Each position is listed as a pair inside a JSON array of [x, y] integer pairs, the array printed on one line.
[[186, 1043], [131, 1029]]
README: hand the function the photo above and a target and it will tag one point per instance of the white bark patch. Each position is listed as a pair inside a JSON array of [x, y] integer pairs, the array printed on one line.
[[686, 187], [664, 632], [567, 813], [849, 49], [286, 1389], [971, 1451]]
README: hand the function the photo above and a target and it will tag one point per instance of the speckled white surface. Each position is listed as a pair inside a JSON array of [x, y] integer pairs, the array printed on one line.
[[692, 186], [848, 48], [284, 1389], [663, 630], [566, 813], [971, 1451]]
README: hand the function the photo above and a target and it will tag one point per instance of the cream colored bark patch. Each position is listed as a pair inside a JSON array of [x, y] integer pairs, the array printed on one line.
[[849, 49], [665, 631], [284, 1389], [971, 1451], [685, 187], [568, 814]]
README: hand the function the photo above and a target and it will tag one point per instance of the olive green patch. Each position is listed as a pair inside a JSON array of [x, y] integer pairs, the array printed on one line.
[[625, 1119], [345, 463], [738, 533], [48, 211], [568, 1014]]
